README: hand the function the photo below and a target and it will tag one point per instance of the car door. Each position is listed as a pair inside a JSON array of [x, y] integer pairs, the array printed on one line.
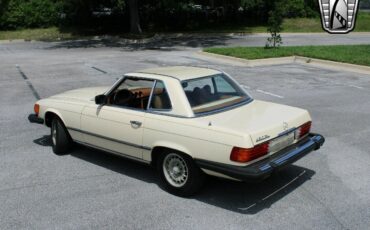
[[115, 126]]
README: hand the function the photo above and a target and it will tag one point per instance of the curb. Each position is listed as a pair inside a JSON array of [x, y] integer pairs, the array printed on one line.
[[251, 63], [289, 60], [333, 65]]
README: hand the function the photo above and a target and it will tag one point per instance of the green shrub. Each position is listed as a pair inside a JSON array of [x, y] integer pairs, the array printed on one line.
[[29, 14]]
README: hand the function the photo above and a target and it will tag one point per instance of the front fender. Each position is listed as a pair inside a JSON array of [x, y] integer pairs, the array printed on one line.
[[55, 111]]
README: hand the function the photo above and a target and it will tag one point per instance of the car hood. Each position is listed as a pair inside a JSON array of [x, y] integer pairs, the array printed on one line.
[[260, 120], [83, 94]]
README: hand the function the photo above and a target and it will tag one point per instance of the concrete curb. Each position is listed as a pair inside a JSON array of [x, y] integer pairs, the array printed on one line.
[[333, 65], [288, 60]]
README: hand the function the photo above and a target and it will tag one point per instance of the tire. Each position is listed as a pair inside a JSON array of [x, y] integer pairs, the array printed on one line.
[[60, 138], [179, 174]]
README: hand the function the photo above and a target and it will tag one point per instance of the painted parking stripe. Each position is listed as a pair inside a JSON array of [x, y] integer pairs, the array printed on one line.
[[349, 85], [356, 86], [246, 87], [268, 93], [275, 192], [262, 91], [286, 185]]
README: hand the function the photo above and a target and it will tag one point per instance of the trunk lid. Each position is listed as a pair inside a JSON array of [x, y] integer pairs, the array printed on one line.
[[261, 120]]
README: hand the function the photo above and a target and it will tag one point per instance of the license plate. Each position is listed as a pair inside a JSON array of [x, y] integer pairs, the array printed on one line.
[[281, 142]]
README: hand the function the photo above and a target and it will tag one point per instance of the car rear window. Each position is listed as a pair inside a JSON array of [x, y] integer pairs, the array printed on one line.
[[212, 93]]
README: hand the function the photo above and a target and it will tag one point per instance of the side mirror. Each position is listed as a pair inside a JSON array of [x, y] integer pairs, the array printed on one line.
[[101, 99]]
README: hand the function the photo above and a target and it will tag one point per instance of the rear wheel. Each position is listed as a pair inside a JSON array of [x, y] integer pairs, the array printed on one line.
[[61, 141], [179, 174]]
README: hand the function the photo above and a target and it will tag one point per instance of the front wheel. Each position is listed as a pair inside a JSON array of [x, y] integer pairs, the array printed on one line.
[[61, 141], [179, 174]]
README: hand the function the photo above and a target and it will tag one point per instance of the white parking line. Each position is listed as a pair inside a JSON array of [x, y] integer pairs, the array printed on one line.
[[355, 86], [262, 91], [268, 93], [349, 85], [286, 185], [245, 86], [276, 191]]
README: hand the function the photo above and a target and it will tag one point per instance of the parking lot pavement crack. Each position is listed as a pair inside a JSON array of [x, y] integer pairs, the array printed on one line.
[[317, 200], [28, 82], [100, 70], [21, 72]]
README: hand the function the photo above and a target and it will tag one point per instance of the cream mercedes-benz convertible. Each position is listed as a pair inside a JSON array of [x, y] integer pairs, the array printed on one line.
[[185, 121]]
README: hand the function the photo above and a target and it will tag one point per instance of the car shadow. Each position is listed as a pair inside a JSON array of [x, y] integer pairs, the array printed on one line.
[[251, 198], [241, 197], [43, 141]]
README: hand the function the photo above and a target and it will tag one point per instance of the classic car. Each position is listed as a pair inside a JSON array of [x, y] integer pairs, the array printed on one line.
[[185, 121]]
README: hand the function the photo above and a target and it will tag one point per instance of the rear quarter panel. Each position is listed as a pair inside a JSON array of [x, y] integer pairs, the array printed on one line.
[[190, 136]]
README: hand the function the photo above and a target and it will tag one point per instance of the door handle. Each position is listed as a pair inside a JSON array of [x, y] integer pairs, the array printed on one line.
[[135, 124]]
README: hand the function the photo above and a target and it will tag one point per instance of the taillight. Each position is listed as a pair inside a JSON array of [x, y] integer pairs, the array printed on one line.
[[303, 129], [243, 155], [36, 108]]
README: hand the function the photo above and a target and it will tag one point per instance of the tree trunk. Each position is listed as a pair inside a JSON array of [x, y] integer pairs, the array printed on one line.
[[134, 16]]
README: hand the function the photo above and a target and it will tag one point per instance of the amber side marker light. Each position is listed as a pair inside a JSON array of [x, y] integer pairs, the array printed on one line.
[[36, 108], [243, 155]]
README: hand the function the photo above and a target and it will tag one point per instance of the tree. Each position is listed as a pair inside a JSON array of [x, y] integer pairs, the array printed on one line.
[[274, 26], [134, 16], [3, 5]]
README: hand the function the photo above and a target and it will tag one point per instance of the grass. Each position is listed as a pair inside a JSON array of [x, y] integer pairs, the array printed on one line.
[[292, 25], [302, 25], [44, 34], [228, 28], [314, 24], [362, 22], [354, 54], [56, 34]]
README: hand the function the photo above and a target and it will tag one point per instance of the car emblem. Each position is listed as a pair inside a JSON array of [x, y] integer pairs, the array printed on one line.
[[285, 126], [264, 137], [338, 16]]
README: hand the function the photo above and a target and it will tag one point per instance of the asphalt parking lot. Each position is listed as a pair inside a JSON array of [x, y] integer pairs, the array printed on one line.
[[328, 189]]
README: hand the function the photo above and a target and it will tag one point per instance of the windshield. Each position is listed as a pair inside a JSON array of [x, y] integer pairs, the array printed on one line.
[[214, 92]]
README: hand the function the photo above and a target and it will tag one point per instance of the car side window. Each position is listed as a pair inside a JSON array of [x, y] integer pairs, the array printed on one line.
[[132, 93], [223, 86], [160, 98], [206, 82]]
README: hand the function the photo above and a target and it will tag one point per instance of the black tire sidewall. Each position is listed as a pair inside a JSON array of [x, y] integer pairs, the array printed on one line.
[[194, 181], [62, 139]]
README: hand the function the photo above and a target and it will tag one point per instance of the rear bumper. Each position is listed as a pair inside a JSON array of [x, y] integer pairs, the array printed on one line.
[[33, 118], [264, 168]]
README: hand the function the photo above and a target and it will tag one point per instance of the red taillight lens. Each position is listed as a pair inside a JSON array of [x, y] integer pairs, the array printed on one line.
[[243, 155], [304, 129], [36, 108]]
